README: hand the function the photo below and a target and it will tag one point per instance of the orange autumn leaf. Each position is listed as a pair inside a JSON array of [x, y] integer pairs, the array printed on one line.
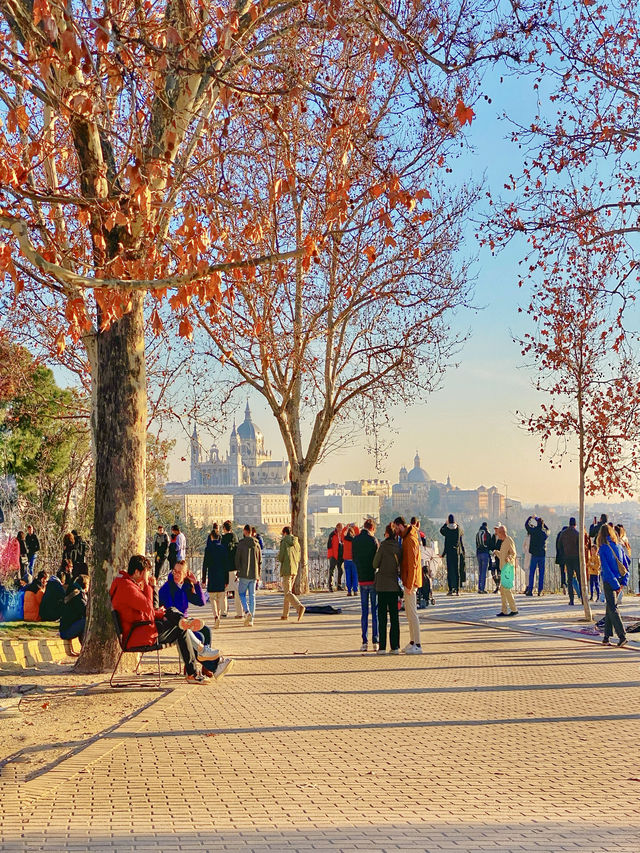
[[185, 329], [464, 114]]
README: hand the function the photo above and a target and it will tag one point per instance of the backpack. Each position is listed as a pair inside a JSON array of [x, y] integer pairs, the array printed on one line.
[[482, 540]]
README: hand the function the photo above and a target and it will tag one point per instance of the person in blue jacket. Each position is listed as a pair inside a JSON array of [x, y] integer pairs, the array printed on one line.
[[614, 564], [179, 591]]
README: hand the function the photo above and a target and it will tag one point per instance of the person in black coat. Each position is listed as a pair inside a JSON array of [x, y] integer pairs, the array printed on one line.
[[74, 612], [215, 574], [453, 551], [53, 599]]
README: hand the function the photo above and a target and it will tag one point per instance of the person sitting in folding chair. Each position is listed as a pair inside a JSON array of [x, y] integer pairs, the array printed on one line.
[[132, 598]]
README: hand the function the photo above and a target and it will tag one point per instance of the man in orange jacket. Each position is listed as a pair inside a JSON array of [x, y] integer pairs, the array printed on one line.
[[411, 577]]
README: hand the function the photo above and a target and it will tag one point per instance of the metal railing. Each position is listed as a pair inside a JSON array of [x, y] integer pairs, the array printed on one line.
[[319, 572]]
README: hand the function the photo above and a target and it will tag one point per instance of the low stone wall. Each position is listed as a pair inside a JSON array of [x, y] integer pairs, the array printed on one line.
[[23, 654]]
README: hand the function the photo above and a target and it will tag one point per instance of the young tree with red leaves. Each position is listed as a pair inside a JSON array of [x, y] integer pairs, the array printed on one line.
[[113, 119], [578, 187], [591, 382]]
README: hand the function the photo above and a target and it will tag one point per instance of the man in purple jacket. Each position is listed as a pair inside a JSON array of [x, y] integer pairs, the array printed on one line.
[[180, 590]]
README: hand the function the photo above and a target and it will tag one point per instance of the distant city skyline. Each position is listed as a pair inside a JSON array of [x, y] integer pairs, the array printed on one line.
[[447, 446]]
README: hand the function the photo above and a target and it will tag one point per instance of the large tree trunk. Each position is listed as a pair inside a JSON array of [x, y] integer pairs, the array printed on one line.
[[120, 500], [299, 496], [584, 584]]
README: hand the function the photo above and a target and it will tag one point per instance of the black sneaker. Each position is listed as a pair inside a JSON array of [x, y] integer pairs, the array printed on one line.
[[622, 642], [513, 613], [606, 642], [502, 614]]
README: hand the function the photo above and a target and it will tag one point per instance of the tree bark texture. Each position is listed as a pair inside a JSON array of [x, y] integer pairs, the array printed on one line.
[[120, 500], [584, 582], [299, 498]]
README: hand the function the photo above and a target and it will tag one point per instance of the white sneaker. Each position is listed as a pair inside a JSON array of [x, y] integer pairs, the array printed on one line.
[[225, 666], [247, 618], [375, 647], [364, 647], [407, 648], [380, 651], [208, 653], [414, 650], [394, 651]]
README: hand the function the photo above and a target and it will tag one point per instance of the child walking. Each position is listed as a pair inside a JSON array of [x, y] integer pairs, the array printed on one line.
[[593, 571]]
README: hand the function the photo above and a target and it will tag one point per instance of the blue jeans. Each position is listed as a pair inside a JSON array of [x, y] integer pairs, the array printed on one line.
[[483, 565], [536, 563], [350, 576], [368, 593], [247, 586], [32, 561], [594, 586]]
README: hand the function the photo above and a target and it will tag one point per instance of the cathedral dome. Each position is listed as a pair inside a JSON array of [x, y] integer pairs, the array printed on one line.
[[418, 474], [247, 430]]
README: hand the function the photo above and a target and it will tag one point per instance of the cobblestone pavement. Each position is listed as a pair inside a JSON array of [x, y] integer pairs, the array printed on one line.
[[490, 741]]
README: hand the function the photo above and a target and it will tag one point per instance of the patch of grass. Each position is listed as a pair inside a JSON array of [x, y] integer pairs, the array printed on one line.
[[28, 630]]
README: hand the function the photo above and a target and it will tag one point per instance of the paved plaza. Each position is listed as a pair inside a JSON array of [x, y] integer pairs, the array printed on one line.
[[493, 740]]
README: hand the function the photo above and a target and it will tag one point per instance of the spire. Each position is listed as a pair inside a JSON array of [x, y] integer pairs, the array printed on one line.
[[416, 461], [247, 413], [195, 431], [233, 431]]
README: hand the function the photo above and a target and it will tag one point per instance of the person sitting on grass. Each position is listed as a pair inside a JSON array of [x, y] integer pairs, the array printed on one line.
[[180, 590], [53, 598], [73, 618], [132, 598], [33, 594]]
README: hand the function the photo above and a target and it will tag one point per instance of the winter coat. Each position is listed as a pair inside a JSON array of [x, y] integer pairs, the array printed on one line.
[[364, 548], [593, 565], [215, 565], [33, 595], [289, 555], [347, 542], [411, 563], [160, 546], [608, 564], [559, 552], [507, 550], [32, 543], [483, 541], [180, 597], [453, 543], [75, 607], [134, 604], [335, 547], [539, 535], [248, 559], [52, 600], [570, 543], [386, 562], [230, 543]]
